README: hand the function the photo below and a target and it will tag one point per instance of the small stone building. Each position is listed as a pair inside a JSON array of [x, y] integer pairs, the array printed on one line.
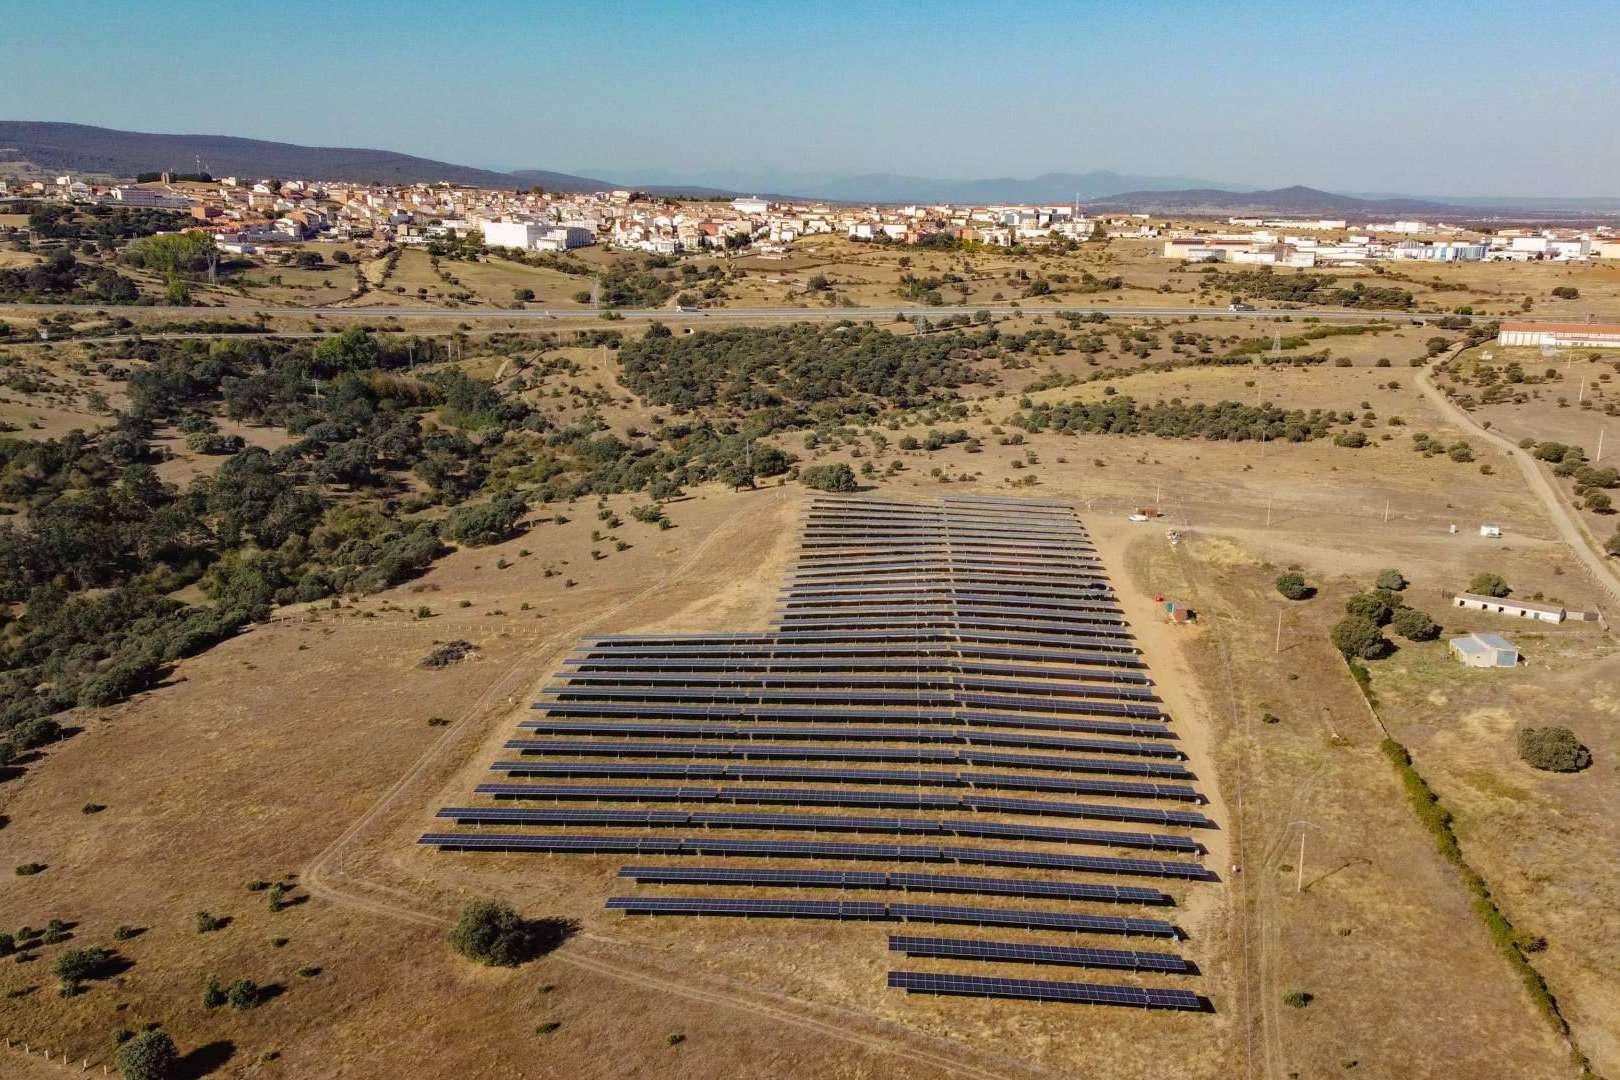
[[1485, 651]]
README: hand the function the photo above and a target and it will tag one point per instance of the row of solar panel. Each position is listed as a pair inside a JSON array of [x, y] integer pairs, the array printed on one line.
[[937, 592], [743, 679], [1039, 990], [1139, 728], [886, 569], [812, 849], [1021, 953], [870, 879], [866, 911], [913, 800], [957, 636], [918, 650], [1076, 763], [917, 698], [976, 588], [641, 770], [1063, 611], [1093, 636], [872, 565], [578, 667], [839, 733], [897, 826]]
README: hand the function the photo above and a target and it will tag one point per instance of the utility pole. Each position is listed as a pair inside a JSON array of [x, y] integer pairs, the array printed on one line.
[[1299, 866], [1599, 456], [1277, 649], [1386, 511], [1268, 511]]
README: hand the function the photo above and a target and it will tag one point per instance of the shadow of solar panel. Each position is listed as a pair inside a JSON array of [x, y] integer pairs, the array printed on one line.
[[1039, 990], [835, 732], [804, 849], [773, 822], [856, 879], [809, 752], [847, 909], [648, 770], [1022, 953]]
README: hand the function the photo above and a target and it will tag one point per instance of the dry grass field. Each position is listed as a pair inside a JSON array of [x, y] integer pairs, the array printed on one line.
[[302, 752]]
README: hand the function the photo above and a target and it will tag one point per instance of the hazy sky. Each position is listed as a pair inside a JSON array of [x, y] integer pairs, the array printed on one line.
[[1429, 97]]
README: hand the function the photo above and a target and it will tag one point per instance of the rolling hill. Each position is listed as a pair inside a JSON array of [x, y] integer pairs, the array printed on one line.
[[82, 148]]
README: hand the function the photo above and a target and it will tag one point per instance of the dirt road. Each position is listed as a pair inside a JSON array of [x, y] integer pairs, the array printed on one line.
[[1570, 530]]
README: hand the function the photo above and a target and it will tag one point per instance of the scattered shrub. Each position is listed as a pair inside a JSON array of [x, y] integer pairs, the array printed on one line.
[[1489, 585], [1298, 999], [1358, 637], [1294, 587], [151, 1055], [1553, 749], [1415, 625], [1392, 580]]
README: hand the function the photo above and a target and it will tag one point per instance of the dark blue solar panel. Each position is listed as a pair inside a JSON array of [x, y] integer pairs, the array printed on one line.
[[1037, 990], [1075, 763], [1022, 953], [805, 849], [1128, 789], [816, 822], [861, 879]]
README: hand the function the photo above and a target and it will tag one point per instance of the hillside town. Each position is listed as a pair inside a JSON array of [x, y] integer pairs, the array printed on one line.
[[245, 215]]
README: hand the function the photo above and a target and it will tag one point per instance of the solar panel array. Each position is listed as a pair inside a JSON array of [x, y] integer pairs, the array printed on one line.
[[965, 662]]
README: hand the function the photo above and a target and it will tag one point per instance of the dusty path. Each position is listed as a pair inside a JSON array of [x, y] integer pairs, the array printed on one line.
[[1570, 530]]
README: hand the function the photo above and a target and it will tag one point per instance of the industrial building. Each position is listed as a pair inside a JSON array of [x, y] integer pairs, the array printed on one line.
[[1560, 335], [536, 236]]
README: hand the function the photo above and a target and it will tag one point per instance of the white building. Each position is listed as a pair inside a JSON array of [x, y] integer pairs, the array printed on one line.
[[1518, 609], [1485, 651], [536, 236], [751, 205], [1560, 335], [1441, 251]]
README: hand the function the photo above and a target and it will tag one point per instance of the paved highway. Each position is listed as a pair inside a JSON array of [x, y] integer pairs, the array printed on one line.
[[542, 315]]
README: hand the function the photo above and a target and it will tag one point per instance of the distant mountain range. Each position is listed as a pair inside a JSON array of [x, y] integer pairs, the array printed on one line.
[[892, 188], [1288, 200], [56, 147]]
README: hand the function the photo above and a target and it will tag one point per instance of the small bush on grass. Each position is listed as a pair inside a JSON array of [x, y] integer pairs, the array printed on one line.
[[151, 1055], [1553, 749], [1294, 587]]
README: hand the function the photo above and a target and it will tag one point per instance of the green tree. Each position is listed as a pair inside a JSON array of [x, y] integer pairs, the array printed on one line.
[[1359, 638], [1489, 585], [353, 350], [1294, 586], [1392, 580], [1553, 749], [522, 296], [1612, 544], [834, 477], [1415, 625], [151, 1055], [1371, 606], [493, 933], [76, 965]]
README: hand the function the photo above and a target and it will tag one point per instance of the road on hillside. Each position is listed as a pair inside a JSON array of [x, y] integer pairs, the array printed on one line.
[[736, 314], [1571, 531]]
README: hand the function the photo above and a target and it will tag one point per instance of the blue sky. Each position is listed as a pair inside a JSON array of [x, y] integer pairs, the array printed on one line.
[[1433, 97]]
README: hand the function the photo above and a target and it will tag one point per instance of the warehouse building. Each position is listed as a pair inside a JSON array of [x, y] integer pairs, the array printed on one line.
[[1560, 335], [1485, 651], [1519, 609]]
